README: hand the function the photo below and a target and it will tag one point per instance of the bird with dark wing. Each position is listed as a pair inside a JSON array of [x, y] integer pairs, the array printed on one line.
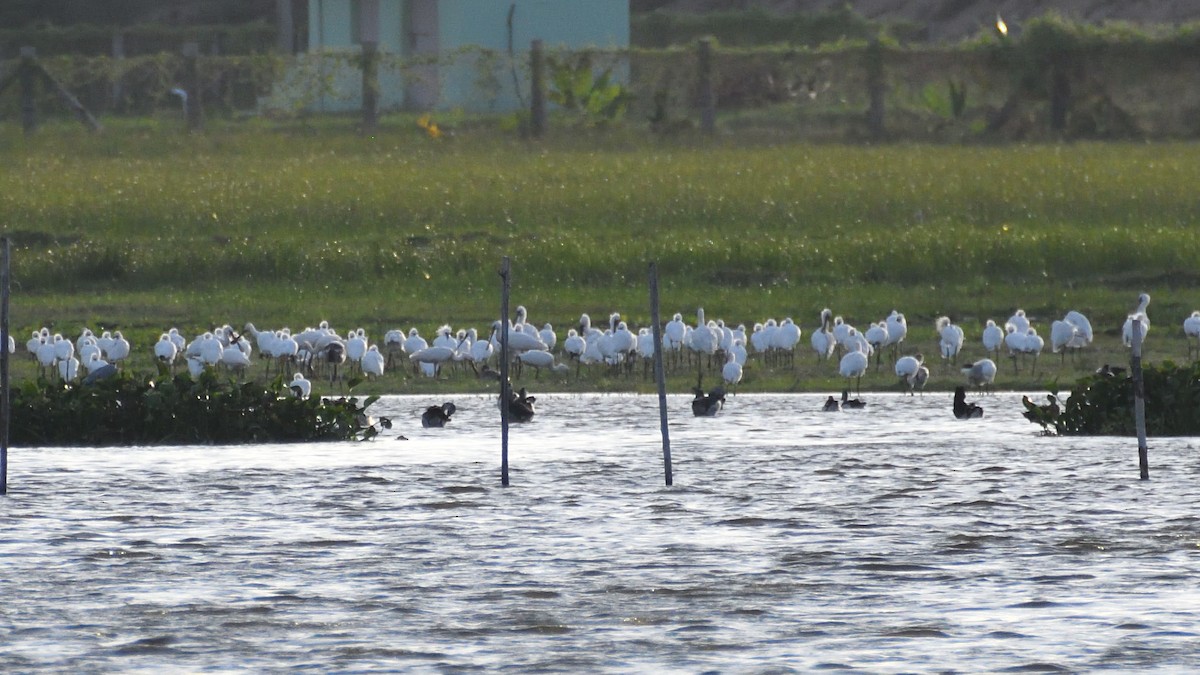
[[1045, 415], [964, 410], [707, 405]]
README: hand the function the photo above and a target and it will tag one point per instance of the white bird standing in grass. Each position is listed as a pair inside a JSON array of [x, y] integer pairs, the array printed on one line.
[[1191, 328], [165, 351], [854, 364], [372, 362], [1139, 315], [993, 337], [907, 369], [732, 371], [897, 327], [300, 386], [981, 374], [1018, 321], [950, 339], [822, 338]]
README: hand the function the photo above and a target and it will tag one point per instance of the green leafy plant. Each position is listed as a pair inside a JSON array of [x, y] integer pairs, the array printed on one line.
[[132, 409], [575, 86]]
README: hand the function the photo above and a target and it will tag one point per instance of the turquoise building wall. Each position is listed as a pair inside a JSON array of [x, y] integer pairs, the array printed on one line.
[[461, 24]]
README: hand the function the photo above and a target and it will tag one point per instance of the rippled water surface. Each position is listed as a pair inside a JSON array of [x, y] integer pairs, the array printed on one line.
[[889, 539]]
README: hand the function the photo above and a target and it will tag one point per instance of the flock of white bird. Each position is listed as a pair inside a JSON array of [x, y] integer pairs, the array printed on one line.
[[323, 352]]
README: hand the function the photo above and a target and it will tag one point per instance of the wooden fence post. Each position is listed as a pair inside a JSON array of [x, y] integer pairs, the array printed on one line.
[[1139, 397], [537, 89], [370, 87], [876, 88], [708, 97], [1060, 96], [659, 375], [505, 385], [191, 86], [286, 42], [5, 416], [28, 77], [116, 92]]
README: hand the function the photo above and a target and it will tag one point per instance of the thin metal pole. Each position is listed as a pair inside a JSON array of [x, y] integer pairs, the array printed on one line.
[[505, 385], [5, 280], [1139, 398], [659, 375]]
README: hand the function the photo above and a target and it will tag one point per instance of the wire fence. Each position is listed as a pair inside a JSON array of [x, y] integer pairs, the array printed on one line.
[[850, 91]]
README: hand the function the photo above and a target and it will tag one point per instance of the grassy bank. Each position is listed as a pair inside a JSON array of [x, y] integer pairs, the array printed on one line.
[[142, 228]]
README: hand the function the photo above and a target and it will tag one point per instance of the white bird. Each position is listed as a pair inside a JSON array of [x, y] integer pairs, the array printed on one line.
[[1033, 346], [68, 369], [897, 327], [537, 359], [1062, 333], [393, 345], [674, 332], [414, 342], [854, 364], [372, 362], [235, 360], [165, 350], [300, 386], [548, 336], [95, 363], [993, 337], [1083, 329], [1191, 328], [732, 372], [63, 349], [1141, 317], [574, 347], [433, 357], [981, 374], [907, 368], [118, 350], [877, 337], [1019, 321], [822, 338], [950, 339], [785, 339], [195, 365], [356, 346], [46, 356]]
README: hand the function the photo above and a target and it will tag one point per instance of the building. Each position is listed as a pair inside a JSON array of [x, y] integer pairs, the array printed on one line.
[[444, 54]]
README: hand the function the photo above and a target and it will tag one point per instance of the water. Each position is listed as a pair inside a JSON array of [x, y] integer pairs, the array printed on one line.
[[889, 539]]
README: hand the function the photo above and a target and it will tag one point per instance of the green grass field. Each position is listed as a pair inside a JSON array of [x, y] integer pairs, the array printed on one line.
[[142, 228]]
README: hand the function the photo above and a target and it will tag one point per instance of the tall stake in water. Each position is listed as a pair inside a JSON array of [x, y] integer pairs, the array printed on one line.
[[4, 399], [659, 375], [505, 385], [1139, 397]]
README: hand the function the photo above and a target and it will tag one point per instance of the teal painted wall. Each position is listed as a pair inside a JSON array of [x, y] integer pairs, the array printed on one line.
[[462, 23]]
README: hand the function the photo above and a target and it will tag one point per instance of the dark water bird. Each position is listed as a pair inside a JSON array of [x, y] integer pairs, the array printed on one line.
[[851, 403], [520, 406], [964, 410], [437, 416], [1110, 371], [832, 405], [707, 405], [1045, 415]]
